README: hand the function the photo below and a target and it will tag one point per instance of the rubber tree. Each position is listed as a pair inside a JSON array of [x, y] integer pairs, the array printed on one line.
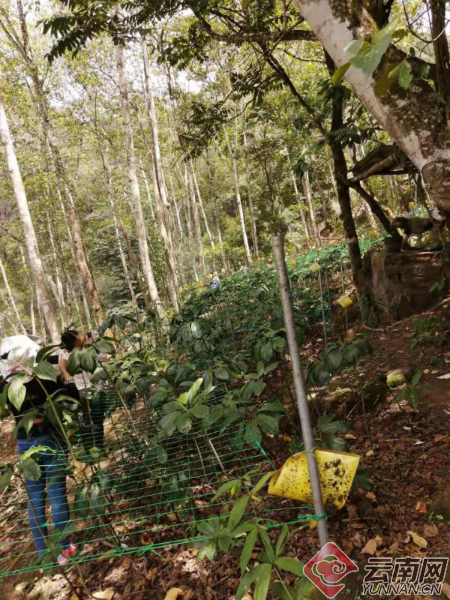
[[44, 298], [414, 117]]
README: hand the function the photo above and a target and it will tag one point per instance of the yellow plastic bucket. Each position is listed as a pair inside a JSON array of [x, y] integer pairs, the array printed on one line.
[[336, 470]]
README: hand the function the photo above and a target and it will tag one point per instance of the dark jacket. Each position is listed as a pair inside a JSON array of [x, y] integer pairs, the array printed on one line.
[[35, 398]]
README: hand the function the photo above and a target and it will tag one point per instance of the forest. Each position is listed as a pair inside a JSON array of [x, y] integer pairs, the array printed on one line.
[[224, 299]]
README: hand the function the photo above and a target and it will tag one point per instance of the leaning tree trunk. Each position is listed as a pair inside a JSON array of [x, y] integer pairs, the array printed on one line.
[[414, 118], [44, 298], [134, 185]]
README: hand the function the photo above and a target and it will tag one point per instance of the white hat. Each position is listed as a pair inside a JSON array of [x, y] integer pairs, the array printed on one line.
[[15, 351]]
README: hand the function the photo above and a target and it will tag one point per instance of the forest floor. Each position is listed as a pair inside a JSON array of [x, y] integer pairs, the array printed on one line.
[[405, 452]]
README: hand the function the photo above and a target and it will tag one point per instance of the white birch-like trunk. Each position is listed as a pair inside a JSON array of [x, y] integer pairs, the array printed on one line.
[[189, 221], [198, 230], [202, 208], [297, 195], [134, 185], [175, 203], [147, 189], [249, 192], [44, 298]]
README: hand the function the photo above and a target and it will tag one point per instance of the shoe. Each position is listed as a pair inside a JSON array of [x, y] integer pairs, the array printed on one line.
[[66, 555]]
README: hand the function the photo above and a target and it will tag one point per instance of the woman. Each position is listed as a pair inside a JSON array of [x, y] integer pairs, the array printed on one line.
[[15, 353]]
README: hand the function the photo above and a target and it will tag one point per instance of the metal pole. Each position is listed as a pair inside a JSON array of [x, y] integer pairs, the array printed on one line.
[[300, 390]]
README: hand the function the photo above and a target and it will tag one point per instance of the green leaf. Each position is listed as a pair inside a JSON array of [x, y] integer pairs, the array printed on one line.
[[282, 539], [17, 391], [336, 443], [276, 407], [354, 47], [328, 424], [267, 423], [171, 407], [249, 579], [5, 480], [285, 592], [248, 549], [293, 565], [208, 550], [260, 368], [30, 469], [45, 370], [262, 583], [183, 422], [270, 368], [161, 455], [267, 545], [338, 75], [104, 346], [351, 354], [368, 58], [167, 423], [27, 421], [416, 378], [226, 487], [88, 359], [303, 588], [73, 362], [193, 391], [222, 374], [266, 351], [262, 482], [333, 359], [384, 84], [45, 352], [200, 411], [237, 512]]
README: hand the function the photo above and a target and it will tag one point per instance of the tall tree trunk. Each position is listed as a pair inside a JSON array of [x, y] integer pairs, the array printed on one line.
[[441, 50], [198, 230], [7, 313], [32, 315], [312, 212], [59, 167], [44, 298], [202, 208], [413, 118], [134, 185], [113, 204], [135, 265], [147, 189], [247, 254], [177, 209], [58, 279], [249, 191], [11, 299]]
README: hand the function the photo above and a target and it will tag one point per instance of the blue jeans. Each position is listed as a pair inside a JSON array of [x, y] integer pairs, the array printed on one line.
[[53, 477]]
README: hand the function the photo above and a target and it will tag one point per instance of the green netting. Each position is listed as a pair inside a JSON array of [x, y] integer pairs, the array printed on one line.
[[154, 493]]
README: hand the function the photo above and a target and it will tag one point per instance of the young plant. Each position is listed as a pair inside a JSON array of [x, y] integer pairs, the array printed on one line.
[[411, 391], [185, 410]]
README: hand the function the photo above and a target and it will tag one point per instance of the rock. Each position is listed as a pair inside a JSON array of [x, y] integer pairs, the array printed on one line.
[[401, 282], [441, 504]]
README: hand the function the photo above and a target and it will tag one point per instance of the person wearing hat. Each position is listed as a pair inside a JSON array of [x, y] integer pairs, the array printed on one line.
[[16, 353]]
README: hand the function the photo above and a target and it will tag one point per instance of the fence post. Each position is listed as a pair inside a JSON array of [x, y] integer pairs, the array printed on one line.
[[300, 390]]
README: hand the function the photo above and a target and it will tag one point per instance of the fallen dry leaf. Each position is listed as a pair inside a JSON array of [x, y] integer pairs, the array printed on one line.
[[418, 540], [350, 436], [371, 496], [379, 540], [420, 507], [430, 530], [369, 453], [105, 594], [370, 548], [442, 438], [172, 518], [173, 594], [446, 589]]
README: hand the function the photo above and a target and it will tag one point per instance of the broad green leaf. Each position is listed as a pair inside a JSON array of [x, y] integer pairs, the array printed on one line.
[[293, 565], [171, 407], [253, 435], [30, 469], [333, 359], [339, 74], [183, 422], [161, 455], [285, 592], [271, 367], [276, 407], [167, 423], [5, 480], [73, 362], [249, 579], [384, 84], [45, 352], [88, 359], [248, 549], [208, 550], [351, 354], [200, 411], [237, 512], [369, 57], [17, 391], [354, 47], [267, 423], [303, 588], [222, 374], [262, 482], [27, 421], [260, 368], [104, 346], [193, 391], [266, 351], [262, 583], [258, 387], [45, 370]]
